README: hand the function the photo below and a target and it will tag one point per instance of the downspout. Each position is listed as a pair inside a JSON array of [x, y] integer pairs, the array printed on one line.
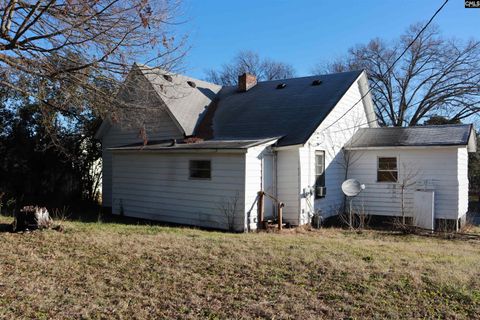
[[309, 203], [275, 176], [247, 217]]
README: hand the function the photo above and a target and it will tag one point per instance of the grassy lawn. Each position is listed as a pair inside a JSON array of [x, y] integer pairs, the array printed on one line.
[[95, 270]]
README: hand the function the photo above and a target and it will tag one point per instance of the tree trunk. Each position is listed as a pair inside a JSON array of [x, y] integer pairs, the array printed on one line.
[[31, 218]]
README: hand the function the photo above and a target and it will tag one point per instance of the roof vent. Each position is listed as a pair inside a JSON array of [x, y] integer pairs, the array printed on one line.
[[316, 82], [281, 85], [167, 77], [192, 84]]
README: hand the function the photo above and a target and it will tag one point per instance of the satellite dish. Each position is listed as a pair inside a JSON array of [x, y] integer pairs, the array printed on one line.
[[352, 187]]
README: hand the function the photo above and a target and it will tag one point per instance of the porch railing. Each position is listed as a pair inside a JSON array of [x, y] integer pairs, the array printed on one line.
[[261, 209]]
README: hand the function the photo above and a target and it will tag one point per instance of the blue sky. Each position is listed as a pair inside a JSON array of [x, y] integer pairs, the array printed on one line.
[[306, 32]]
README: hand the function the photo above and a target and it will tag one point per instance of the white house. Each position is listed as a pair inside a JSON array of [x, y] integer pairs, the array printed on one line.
[[211, 149]]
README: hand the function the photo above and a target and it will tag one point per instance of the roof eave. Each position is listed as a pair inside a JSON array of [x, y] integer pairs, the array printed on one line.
[[472, 139], [183, 150], [102, 130], [289, 146], [406, 147], [166, 108], [360, 73]]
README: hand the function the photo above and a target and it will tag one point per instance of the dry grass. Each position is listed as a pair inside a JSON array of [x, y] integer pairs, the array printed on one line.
[[135, 272]]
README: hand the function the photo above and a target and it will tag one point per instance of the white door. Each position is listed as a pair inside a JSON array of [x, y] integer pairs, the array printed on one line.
[[268, 184], [423, 203]]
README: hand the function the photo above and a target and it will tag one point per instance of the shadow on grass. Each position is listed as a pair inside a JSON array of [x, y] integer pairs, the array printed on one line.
[[386, 225], [102, 216], [5, 227], [96, 218], [94, 214], [107, 217], [88, 214]]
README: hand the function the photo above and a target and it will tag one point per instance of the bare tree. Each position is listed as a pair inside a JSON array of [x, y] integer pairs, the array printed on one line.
[[436, 76], [228, 208], [409, 174], [355, 217], [249, 61], [71, 56]]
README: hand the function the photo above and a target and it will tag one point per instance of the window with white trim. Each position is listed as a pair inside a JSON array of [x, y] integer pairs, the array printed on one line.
[[320, 174], [387, 170], [200, 169]]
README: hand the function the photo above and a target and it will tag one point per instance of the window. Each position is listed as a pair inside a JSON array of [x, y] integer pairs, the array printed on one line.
[[200, 169], [387, 170], [320, 189]]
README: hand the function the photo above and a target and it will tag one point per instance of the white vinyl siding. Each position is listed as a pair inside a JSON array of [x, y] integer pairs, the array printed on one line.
[[118, 136], [162, 127], [338, 127], [157, 186], [437, 165], [288, 184]]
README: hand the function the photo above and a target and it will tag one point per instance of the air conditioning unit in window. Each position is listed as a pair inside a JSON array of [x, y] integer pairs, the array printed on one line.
[[320, 192]]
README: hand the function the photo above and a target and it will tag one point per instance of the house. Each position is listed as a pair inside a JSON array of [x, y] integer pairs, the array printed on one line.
[[211, 149]]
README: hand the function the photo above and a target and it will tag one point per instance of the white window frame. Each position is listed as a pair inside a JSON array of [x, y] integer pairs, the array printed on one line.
[[324, 173], [190, 161], [377, 169], [322, 152]]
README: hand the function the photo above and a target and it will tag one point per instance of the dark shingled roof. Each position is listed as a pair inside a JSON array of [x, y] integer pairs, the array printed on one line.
[[167, 145], [292, 113], [440, 135]]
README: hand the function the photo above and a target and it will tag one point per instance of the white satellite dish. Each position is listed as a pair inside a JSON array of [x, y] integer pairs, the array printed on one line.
[[352, 187]]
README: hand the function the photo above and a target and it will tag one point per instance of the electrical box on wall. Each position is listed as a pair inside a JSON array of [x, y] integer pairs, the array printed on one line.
[[320, 192]]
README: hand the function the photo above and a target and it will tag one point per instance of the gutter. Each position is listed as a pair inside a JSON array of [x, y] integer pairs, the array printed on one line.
[[211, 150], [406, 147], [289, 147]]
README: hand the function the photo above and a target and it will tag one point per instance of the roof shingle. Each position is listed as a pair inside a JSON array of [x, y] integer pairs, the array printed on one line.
[[167, 145], [292, 113], [438, 135], [187, 102]]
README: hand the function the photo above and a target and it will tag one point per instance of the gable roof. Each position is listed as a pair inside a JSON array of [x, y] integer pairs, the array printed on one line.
[[437, 135], [292, 113], [186, 104]]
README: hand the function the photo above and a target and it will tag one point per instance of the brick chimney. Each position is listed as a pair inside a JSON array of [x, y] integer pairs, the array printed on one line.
[[246, 81]]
